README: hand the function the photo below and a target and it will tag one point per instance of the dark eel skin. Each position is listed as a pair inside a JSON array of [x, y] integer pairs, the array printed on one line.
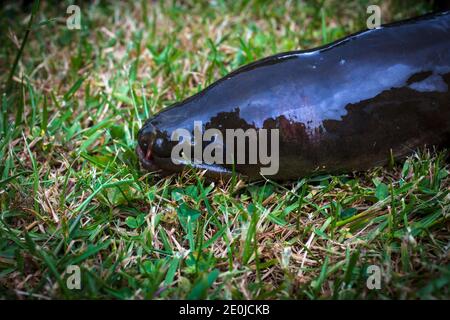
[[347, 106]]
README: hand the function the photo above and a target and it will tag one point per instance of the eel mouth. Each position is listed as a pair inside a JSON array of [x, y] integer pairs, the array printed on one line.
[[146, 159], [151, 162]]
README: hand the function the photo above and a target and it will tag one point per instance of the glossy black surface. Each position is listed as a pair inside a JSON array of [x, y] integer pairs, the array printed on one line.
[[339, 108]]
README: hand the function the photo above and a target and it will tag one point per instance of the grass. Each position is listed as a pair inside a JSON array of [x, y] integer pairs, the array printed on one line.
[[72, 193]]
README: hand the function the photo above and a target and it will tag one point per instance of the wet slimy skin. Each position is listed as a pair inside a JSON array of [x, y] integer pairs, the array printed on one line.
[[343, 107]]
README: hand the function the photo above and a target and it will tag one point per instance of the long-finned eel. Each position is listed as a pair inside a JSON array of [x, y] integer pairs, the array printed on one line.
[[346, 106]]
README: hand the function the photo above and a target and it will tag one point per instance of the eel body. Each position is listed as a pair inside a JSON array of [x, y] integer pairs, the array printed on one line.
[[343, 107]]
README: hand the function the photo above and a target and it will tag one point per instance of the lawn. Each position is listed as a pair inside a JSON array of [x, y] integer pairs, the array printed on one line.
[[72, 194]]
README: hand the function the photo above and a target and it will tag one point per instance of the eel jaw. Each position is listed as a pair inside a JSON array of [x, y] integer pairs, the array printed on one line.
[[145, 159], [151, 162], [165, 166]]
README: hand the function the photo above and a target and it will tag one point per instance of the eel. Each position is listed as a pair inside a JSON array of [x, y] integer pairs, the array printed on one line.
[[347, 106]]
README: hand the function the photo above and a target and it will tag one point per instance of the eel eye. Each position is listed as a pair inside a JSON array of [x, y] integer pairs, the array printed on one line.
[[162, 147], [159, 143], [145, 144]]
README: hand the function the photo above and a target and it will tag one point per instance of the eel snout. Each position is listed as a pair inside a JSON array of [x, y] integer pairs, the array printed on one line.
[[146, 137]]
